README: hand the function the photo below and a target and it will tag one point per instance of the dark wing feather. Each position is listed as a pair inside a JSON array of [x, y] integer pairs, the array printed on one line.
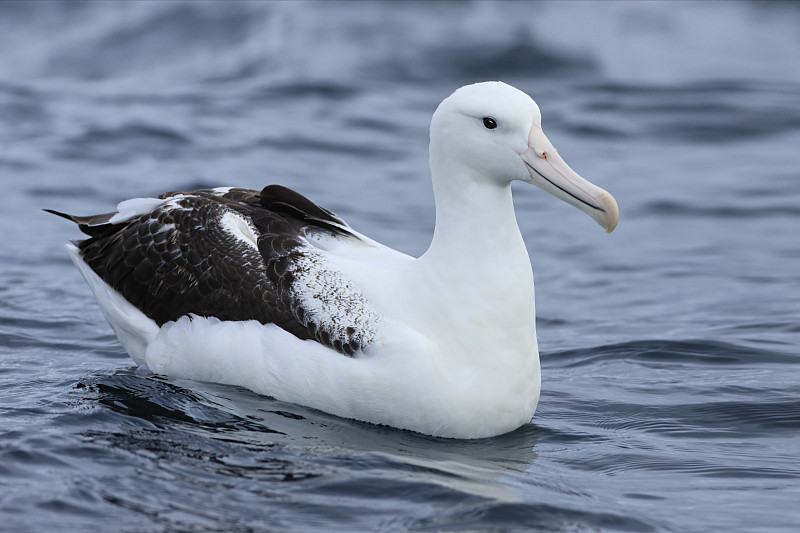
[[278, 199], [91, 225], [179, 259]]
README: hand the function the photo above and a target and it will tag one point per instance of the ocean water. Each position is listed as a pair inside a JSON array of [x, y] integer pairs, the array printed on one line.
[[670, 349]]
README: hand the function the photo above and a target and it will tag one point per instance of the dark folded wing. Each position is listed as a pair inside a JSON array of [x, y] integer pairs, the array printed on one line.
[[234, 254]]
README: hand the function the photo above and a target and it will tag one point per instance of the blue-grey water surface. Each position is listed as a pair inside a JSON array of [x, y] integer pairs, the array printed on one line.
[[670, 349]]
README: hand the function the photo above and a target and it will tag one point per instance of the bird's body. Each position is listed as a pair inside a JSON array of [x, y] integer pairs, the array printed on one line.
[[267, 290]]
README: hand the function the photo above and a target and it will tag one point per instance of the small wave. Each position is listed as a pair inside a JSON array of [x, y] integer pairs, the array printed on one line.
[[64, 191], [765, 415], [619, 463], [23, 107], [689, 352], [294, 144], [123, 143], [705, 112], [483, 61], [757, 417], [157, 401], [531, 517], [319, 90], [682, 209], [604, 131]]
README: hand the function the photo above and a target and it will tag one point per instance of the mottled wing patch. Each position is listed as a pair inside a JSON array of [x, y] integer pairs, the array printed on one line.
[[320, 296]]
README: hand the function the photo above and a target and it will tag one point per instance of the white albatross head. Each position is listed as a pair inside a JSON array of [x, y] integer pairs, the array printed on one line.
[[493, 131]]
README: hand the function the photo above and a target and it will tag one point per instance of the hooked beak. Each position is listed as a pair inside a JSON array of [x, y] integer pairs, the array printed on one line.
[[551, 173]]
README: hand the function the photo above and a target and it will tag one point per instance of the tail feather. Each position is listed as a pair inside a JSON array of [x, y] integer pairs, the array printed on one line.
[[91, 225]]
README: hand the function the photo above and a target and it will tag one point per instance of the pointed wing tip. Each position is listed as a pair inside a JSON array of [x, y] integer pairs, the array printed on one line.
[[59, 214]]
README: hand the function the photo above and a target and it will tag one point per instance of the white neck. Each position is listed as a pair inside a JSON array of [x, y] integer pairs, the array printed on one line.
[[478, 268], [475, 222]]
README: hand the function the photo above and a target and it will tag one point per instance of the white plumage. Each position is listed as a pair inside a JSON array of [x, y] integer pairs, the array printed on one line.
[[445, 344]]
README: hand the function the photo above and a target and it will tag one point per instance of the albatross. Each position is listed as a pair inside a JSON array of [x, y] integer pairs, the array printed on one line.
[[269, 291]]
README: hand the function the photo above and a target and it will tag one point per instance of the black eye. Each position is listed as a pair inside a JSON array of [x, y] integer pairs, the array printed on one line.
[[490, 123]]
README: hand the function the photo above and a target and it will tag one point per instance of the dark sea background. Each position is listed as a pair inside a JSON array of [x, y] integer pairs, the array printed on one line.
[[670, 349]]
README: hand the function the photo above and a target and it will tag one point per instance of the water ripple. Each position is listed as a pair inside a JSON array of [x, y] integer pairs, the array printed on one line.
[[121, 143], [664, 352]]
